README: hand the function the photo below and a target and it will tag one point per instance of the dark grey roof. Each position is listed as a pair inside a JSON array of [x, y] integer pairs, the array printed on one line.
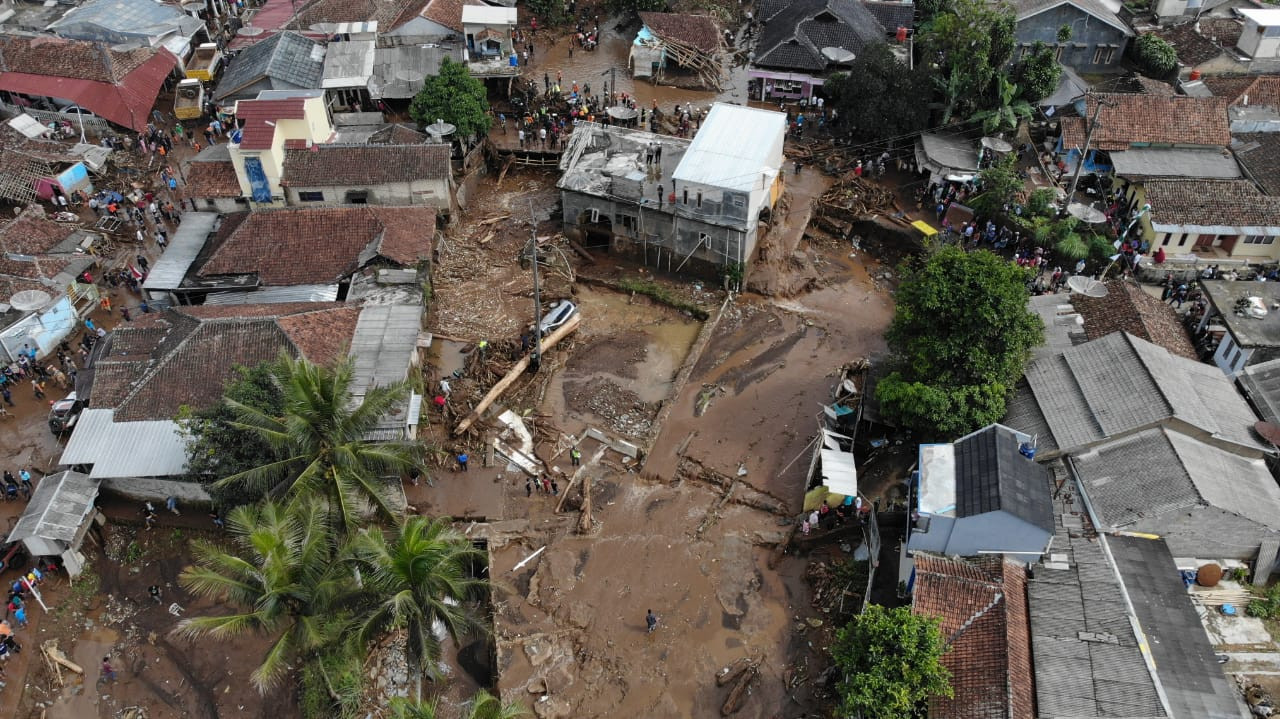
[[1157, 472], [1085, 654], [1192, 679], [288, 60], [892, 15], [1022, 413], [991, 475], [793, 37], [1023, 9], [1119, 383], [1261, 383]]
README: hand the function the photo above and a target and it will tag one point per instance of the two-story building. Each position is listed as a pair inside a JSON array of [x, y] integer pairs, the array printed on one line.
[[684, 205], [268, 127]]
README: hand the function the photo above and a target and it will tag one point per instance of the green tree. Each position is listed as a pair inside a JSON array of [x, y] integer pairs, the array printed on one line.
[[419, 577], [966, 48], [279, 580], [1007, 110], [890, 662], [960, 336], [319, 443], [1038, 74], [879, 97], [999, 183], [1154, 56], [217, 447], [455, 97]]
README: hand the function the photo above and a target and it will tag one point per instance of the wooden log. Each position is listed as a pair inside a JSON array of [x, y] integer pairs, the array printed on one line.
[[518, 369], [581, 250], [734, 671], [738, 695]]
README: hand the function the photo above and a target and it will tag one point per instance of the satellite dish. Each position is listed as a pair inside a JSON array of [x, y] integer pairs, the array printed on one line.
[[1086, 286], [439, 129], [30, 300], [249, 31], [1086, 213], [995, 144], [837, 55], [620, 112]]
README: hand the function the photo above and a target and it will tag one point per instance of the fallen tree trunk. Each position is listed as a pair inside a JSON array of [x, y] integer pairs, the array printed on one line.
[[738, 695], [518, 369]]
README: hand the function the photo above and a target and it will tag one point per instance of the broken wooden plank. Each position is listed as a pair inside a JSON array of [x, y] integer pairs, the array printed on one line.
[[518, 369], [581, 250]]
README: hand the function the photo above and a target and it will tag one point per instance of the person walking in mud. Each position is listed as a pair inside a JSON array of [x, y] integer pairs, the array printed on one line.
[[650, 621]]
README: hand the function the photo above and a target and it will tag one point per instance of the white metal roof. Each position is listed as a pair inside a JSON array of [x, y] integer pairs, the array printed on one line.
[[348, 64], [937, 493], [56, 512], [488, 15], [839, 473], [186, 243], [27, 125], [126, 449], [1263, 16], [732, 148]]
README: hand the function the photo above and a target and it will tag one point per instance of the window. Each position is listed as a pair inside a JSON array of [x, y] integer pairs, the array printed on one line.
[[1022, 50], [1182, 240], [357, 197], [1272, 31], [1167, 238], [704, 239], [627, 222], [739, 201], [210, 204], [311, 196], [699, 199], [1259, 239], [1103, 55], [686, 195]]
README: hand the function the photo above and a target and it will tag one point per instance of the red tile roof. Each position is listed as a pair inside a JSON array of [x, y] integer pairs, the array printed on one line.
[[443, 12], [183, 356], [212, 179], [322, 245], [1127, 308], [387, 13], [1254, 89], [697, 31], [363, 165], [119, 86], [32, 233], [1227, 203], [258, 118], [983, 607], [1128, 120]]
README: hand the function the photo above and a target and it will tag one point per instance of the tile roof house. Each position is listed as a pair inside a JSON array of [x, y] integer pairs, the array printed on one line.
[[383, 174], [1203, 500], [1255, 101], [983, 607], [1087, 394], [212, 182], [118, 85], [322, 246], [1125, 122], [1223, 218], [981, 495], [284, 61], [1127, 308], [795, 35], [1099, 37], [696, 31], [1205, 45], [151, 368]]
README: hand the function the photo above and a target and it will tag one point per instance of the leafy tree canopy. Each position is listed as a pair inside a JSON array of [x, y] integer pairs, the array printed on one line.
[[999, 182], [965, 49], [890, 662], [879, 97], [1038, 74], [961, 335], [1154, 55], [455, 97]]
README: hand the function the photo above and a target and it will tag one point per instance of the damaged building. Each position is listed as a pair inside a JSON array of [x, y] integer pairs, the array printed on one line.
[[693, 206]]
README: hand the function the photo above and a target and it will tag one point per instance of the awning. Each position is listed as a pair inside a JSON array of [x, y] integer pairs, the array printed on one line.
[[127, 104], [839, 472], [924, 227]]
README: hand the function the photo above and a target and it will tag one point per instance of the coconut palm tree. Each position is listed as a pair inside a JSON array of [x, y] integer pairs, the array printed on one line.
[[280, 580], [482, 706], [416, 579], [321, 445]]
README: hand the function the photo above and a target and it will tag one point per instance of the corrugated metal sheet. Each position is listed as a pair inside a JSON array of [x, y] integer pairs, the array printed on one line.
[[184, 246], [839, 471], [58, 508], [733, 148], [383, 344], [348, 64], [125, 449], [275, 295], [1148, 162]]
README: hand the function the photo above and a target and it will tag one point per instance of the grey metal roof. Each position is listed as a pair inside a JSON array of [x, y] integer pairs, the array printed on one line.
[[117, 21], [950, 151], [1023, 414], [1070, 86], [1247, 331], [1261, 383], [992, 475], [1171, 162], [348, 64], [1192, 678], [275, 295], [398, 72], [1120, 383], [1085, 654], [57, 508], [125, 449], [1157, 472], [287, 59], [184, 246], [382, 348]]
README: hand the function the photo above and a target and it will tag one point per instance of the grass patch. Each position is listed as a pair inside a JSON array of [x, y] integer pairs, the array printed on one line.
[[662, 294]]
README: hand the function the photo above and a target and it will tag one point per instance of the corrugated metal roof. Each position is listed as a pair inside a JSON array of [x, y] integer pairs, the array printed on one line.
[[58, 508], [384, 341], [117, 21], [1171, 162], [839, 471], [733, 148], [125, 449], [348, 64], [275, 295], [184, 246]]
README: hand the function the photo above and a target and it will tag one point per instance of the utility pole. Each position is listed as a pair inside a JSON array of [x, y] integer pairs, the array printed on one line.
[[1088, 138], [535, 360]]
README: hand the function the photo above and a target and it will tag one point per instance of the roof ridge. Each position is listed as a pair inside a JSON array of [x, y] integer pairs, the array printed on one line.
[[155, 364], [1164, 394], [964, 627]]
